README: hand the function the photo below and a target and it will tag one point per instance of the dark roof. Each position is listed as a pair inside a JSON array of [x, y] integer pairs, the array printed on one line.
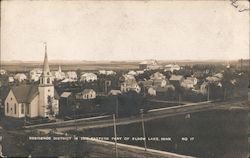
[[25, 93]]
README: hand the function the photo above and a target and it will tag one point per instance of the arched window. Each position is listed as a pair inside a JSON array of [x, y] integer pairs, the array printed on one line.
[[48, 80]]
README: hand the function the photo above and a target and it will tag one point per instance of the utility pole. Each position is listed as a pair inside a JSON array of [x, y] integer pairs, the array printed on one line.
[[116, 108], [116, 152], [143, 129]]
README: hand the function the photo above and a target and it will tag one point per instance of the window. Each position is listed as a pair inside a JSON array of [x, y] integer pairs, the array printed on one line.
[[41, 81], [7, 107], [15, 108], [48, 80], [22, 108], [11, 98]]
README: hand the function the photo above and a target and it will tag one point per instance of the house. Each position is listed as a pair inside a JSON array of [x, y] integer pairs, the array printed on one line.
[[86, 94], [204, 88], [172, 67], [59, 75], [215, 78], [189, 82], [130, 85], [87, 77], [71, 75], [157, 75], [33, 100], [149, 64], [11, 79], [138, 72], [152, 91], [35, 74], [176, 79], [146, 83], [160, 82], [110, 72], [2, 72], [133, 73], [114, 92], [20, 77]]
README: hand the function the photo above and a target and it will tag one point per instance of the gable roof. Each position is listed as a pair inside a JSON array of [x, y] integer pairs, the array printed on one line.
[[87, 91], [25, 93]]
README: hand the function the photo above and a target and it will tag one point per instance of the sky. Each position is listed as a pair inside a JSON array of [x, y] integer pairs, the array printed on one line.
[[123, 30]]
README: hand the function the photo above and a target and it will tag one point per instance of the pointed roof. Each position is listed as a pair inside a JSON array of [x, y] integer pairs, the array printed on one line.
[[46, 69]]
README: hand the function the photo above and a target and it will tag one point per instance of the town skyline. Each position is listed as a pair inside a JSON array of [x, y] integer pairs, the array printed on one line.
[[119, 31]]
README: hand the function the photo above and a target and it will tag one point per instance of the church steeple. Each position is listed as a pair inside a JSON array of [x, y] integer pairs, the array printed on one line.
[[46, 70], [46, 78]]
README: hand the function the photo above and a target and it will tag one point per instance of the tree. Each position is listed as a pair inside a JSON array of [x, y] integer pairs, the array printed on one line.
[[50, 109]]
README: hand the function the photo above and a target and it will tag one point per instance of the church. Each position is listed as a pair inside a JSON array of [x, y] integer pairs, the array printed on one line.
[[33, 100]]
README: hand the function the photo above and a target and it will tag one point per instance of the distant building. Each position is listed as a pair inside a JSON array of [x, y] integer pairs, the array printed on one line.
[[87, 77], [86, 94], [157, 76], [172, 67], [152, 91], [130, 85], [114, 92], [176, 79], [35, 74], [33, 100], [20, 77], [2, 72], [132, 73], [189, 82], [108, 72], [59, 75], [11, 79], [71, 75], [204, 88], [215, 78], [149, 64]]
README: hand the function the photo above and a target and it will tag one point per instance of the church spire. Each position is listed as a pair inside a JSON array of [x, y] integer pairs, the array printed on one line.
[[46, 70]]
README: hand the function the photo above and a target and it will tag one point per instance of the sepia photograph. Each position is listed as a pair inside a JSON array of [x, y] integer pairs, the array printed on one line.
[[125, 79]]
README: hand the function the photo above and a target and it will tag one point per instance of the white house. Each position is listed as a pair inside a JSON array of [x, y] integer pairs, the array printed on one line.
[[157, 75], [149, 64], [152, 91], [71, 75], [59, 75], [130, 85], [11, 79], [114, 92], [20, 77], [87, 77], [86, 94], [172, 67], [132, 73], [2, 72], [189, 82], [35, 74], [33, 100], [110, 72]]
